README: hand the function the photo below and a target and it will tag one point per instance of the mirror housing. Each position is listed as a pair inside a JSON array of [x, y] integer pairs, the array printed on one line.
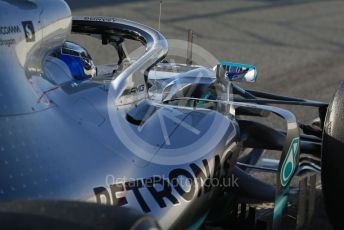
[[230, 71]]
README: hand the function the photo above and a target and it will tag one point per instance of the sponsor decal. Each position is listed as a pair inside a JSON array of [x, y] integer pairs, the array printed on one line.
[[198, 179], [134, 90], [287, 170], [289, 164], [5, 30], [8, 30], [7, 42], [100, 19], [29, 31]]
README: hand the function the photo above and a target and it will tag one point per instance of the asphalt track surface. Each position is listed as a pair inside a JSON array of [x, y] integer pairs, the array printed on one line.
[[297, 46]]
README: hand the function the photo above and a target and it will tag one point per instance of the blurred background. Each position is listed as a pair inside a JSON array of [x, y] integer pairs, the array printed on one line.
[[297, 46]]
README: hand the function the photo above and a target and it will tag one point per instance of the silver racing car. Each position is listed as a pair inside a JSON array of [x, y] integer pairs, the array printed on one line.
[[145, 143]]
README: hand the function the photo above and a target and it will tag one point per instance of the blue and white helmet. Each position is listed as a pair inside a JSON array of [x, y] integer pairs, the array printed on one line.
[[78, 60]]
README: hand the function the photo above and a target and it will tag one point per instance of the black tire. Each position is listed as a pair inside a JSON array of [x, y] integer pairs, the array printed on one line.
[[332, 173]]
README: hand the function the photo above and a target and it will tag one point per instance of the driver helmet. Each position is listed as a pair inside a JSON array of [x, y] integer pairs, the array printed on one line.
[[78, 60]]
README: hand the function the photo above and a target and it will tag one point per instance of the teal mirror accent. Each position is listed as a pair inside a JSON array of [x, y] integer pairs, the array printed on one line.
[[230, 71]]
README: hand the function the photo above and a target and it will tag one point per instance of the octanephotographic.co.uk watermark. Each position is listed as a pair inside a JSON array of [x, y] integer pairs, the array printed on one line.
[[166, 133]]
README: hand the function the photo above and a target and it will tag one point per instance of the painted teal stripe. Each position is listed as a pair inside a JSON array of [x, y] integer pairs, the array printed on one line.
[[228, 63], [198, 223], [236, 64], [280, 203]]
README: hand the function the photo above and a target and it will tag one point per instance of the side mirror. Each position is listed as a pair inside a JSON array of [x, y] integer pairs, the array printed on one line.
[[230, 71]]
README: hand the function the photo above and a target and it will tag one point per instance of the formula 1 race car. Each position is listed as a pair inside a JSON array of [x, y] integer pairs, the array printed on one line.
[[144, 143]]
